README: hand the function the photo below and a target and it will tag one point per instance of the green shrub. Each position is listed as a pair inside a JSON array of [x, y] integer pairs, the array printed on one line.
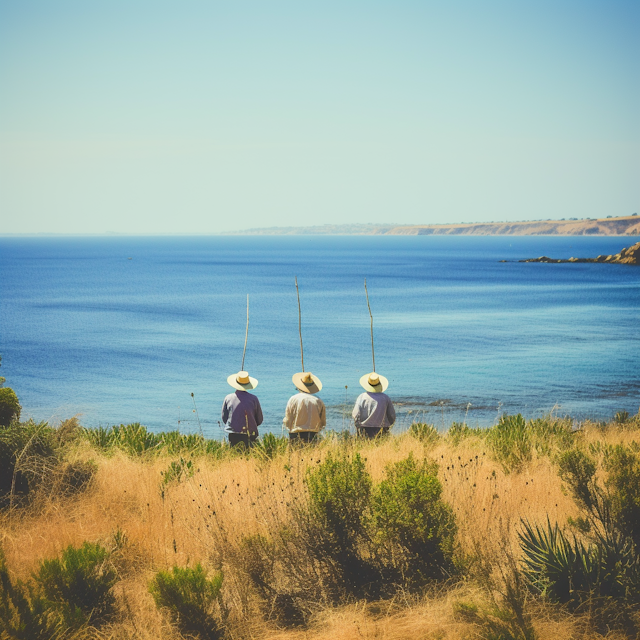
[[426, 433], [24, 615], [621, 417], [27, 458], [578, 470], [413, 525], [623, 488], [511, 442], [134, 438], [190, 599], [178, 470], [339, 494], [78, 584], [9, 407], [459, 431], [270, 446]]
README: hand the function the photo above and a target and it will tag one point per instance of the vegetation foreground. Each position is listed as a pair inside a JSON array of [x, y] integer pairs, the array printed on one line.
[[529, 529]]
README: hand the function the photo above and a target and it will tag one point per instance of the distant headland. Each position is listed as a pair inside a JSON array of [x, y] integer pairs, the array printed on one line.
[[610, 226]]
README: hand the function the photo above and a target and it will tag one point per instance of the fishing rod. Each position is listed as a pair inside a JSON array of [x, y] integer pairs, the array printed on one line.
[[300, 325], [373, 353], [246, 335]]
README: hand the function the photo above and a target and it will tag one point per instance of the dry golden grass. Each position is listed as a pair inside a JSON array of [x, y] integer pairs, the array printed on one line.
[[200, 518]]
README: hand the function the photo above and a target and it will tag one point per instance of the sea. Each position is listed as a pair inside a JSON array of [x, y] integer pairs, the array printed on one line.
[[147, 329]]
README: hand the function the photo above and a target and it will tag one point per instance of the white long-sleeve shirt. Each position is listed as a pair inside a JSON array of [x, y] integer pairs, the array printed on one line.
[[305, 412], [374, 410]]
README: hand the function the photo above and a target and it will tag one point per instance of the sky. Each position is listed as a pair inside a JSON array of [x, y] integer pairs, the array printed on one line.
[[199, 117]]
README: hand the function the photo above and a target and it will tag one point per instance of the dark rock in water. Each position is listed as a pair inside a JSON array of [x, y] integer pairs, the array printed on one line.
[[630, 255]]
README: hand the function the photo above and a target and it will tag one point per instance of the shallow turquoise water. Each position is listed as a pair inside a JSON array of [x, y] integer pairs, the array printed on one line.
[[86, 330]]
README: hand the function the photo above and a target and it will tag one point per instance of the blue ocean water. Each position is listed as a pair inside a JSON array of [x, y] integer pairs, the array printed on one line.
[[125, 329]]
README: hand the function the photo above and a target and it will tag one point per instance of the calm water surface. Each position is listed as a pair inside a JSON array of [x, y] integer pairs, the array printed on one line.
[[125, 329]]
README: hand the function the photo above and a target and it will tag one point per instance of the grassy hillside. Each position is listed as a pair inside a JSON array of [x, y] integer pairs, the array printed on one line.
[[530, 529]]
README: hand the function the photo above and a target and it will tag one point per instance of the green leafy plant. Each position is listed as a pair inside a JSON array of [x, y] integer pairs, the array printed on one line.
[[192, 601], [28, 456], [411, 522], [178, 470], [24, 614], [335, 521], [270, 446], [9, 407], [424, 432], [78, 584]]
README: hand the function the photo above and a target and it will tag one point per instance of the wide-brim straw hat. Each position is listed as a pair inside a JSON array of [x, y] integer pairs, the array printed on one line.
[[306, 382], [242, 381], [374, 382]]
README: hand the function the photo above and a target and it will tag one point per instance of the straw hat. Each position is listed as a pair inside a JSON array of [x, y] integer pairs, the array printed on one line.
[[306, 382], [374, 382], [242, 381]]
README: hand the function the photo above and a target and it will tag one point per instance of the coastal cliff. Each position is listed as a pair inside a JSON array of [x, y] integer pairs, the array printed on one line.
[[619, 226], [630, 255]]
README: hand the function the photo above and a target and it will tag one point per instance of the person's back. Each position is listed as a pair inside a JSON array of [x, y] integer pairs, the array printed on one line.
[[241, 410], [373, 412], [305, 414]]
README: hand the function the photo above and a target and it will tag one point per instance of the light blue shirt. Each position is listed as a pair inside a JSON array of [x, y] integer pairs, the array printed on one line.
[[374, 410]]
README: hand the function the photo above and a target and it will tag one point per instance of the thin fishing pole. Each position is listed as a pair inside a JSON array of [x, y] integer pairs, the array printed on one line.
[[373, 353], [300, 325], [246, 335], [195, 410]]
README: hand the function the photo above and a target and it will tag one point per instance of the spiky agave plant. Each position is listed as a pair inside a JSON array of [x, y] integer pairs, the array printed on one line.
[[561, 569]]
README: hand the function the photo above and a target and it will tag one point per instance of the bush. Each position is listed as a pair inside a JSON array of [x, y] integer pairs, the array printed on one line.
[[27, 457], [9, 407], [413, 525], [426, 433], [65, 594], [24, 615], [78, 584], [270, 446], [623, 487], [511, 442], [190, 599], [339, 493]]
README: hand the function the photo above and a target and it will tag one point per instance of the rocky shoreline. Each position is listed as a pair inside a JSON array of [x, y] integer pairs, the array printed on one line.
[[630, 255]]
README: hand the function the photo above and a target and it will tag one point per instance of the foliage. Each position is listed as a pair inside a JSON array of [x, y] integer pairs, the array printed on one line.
[[424, 432], [339, 493], [270, 446], [66, 593], [27, 457], [178, 470], [459, 431], [603, 576], [513, 440], [623, 486], [190, 599], [78, 584], [9, 406], [414, 526], [24, 615]]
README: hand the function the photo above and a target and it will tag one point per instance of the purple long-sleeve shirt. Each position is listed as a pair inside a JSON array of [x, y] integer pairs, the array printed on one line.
[[241, 413]]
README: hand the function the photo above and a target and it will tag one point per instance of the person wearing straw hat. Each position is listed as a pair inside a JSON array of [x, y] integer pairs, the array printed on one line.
[[305, 414], [373, 412], [241, 410]]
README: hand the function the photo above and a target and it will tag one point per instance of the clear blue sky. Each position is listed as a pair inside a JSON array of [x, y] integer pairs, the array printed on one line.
[[205, 116]]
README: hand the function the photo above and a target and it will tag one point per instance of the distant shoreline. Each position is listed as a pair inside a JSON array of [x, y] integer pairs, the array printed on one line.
[[612, 226], [619, 226]]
